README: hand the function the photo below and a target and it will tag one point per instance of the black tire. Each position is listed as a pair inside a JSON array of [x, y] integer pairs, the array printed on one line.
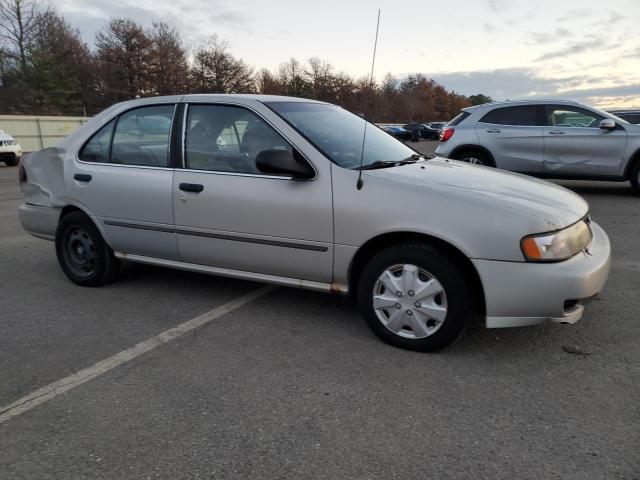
[[634, 178], [83, 254], [11, 162], [457, 291], [479, 156]]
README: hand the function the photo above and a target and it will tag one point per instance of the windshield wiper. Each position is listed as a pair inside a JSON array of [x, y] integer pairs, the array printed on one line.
[[415, 157], [378, 164], [388, 163]]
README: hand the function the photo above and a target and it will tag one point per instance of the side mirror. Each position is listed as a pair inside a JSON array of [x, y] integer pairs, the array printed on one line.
[[283, 162], [608, 124]]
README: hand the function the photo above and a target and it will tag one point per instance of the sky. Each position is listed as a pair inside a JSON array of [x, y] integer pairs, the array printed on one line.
[[582, 50]]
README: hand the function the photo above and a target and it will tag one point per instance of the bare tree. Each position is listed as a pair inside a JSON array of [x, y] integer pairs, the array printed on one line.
[[215, 70], [268, 84], [62, 76], [294, 79], [17, 26], [123, 51], [168, 69]]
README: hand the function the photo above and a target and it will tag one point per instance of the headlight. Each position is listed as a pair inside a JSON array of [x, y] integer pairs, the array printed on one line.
[[556, 246]]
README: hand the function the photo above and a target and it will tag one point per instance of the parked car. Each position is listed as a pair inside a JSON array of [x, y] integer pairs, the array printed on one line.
[[397, 132], [277, 189], [424, 131], [10, 150], [551, 139], [631, 116], [439, 126]]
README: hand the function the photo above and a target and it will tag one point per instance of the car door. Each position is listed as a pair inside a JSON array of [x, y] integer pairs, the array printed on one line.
[[513, 135], [574, 144], [124, 177], [230, 215]]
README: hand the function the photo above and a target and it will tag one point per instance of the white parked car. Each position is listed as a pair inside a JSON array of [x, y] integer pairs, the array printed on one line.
[[278, 190], [10, 150]]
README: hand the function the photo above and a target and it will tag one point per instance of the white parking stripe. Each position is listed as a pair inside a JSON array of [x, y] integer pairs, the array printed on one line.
[[59, 387]]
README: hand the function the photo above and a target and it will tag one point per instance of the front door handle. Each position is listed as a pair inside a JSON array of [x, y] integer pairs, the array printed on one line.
[[556, 132], [82, 177], [191, 187], [494, 130]]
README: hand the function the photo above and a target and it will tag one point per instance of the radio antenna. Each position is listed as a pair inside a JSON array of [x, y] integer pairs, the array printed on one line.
[[366, 105]]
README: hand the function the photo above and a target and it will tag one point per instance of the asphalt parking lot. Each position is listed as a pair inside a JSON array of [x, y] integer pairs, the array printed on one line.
[[293, 385]]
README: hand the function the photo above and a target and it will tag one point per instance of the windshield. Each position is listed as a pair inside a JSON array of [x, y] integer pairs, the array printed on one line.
[[608, 114], [338, 133]]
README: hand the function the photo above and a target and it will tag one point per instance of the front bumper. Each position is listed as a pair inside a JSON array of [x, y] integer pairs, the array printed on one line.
[[520, 293], [39, 221], [16, 150]]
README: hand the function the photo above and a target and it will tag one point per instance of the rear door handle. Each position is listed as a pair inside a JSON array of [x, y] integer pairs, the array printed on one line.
[[556, 132], [191, 187], [494, 130], [82, 177]]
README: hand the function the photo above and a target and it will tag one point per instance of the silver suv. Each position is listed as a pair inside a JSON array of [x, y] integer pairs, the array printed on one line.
[[279, 190], [551, 139]]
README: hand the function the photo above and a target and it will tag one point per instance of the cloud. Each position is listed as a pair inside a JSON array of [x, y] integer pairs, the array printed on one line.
[[575, 49], [498, 6], [546, 37], [577, 14], [528, 83], [92, 16], [489, 28]]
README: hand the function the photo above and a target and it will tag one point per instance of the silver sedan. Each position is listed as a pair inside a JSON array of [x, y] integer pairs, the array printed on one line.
[[281, 190]]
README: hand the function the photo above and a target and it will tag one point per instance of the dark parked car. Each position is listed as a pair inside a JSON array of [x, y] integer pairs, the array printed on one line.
[[398, 132], [631, 116], [437, 125], [425, 131]]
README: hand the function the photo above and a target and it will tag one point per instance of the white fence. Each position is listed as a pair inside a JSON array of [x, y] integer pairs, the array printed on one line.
[[37, 132]]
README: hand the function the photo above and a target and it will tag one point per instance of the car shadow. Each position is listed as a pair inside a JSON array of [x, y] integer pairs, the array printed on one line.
[[336, 318], [622, 189]]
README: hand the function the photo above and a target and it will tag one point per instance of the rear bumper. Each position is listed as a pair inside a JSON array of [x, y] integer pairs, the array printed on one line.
[[443, 150], [519, 294], [39, 221]]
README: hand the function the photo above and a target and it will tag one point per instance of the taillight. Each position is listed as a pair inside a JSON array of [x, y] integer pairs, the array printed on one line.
[[22, 173], [446, 134]]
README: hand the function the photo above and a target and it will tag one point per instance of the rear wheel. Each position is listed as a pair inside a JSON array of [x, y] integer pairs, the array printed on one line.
[[82, 253], [412, 296], [475, 157], [635, 178]]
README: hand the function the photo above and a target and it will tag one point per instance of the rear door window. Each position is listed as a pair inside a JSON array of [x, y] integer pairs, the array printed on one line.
[[142, 136], [523, 115]]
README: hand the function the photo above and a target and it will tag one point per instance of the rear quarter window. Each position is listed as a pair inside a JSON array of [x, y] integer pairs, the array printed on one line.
[[97, 148], [458, 119]]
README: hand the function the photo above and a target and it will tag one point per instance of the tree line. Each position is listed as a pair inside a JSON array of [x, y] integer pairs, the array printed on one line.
[[47, 69]]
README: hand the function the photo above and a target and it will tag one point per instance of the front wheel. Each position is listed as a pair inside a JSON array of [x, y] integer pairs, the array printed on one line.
[[11, 161], [474, 157], [413, 296], [83, 254]]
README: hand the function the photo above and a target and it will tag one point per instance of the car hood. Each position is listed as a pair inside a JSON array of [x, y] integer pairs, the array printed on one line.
[[4, 136], [547, 205]]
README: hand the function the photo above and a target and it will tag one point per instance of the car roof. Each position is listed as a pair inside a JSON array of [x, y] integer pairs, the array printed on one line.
[[537, 101], [215, 97]]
